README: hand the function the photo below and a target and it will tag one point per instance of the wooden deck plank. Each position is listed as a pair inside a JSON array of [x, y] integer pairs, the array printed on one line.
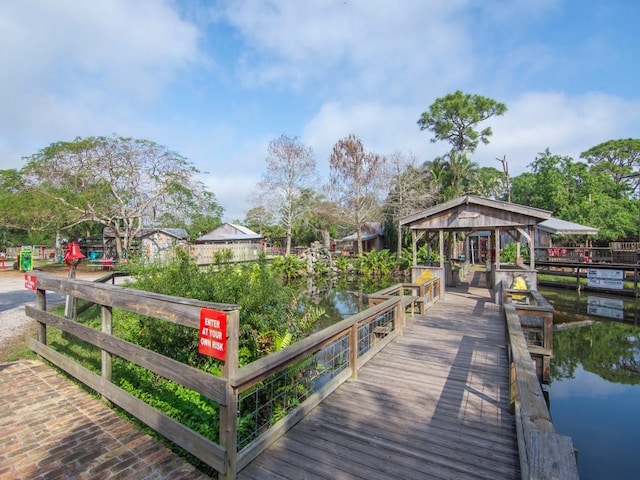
[[432, 404], [423, 422], [449, 453]]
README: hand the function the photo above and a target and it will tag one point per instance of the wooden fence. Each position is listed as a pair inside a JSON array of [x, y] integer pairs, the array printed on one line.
[[239, 252], [544, 454], [173, 309], [364, 335], [535, 315], [626, 253]]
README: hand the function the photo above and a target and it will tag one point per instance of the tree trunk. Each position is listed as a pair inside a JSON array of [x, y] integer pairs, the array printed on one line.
[[59, 253], [326, 238], [118, 245], [399, 244], [288, 246]]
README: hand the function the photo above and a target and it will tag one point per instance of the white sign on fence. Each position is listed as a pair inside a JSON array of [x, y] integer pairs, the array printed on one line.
[[605, 278]]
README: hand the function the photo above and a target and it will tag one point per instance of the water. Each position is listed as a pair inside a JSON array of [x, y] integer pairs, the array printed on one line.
[[594, 393], [340, 298]]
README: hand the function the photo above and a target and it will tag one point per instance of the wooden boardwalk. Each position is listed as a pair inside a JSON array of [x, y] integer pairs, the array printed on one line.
[[431, 405]]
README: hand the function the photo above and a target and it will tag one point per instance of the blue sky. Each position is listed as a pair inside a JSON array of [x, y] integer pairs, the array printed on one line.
[[216, 81]]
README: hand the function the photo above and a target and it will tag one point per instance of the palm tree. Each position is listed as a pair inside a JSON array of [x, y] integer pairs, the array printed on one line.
[[487, 182]]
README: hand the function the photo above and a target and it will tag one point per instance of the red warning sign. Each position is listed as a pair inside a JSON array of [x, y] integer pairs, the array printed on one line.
[[213, 333], [30, 281]]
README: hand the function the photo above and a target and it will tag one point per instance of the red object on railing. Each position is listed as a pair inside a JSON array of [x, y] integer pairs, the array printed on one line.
[[73, 255]]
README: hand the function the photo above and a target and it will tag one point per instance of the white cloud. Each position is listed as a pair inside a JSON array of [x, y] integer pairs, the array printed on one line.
[[231, 193], [353, 47], [79, 68], [382, 128], [566, 124], [233, 167], [321, 70]]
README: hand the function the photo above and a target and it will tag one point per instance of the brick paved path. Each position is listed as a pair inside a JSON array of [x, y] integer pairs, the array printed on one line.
[[52, 429]]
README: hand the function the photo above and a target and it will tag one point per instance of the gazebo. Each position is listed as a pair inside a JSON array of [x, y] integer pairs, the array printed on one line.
[[469, 214]]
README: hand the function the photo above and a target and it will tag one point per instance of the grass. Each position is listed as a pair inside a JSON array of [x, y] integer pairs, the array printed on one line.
[[16, 348]]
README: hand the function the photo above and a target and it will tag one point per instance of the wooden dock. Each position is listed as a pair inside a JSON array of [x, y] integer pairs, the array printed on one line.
[[431, 405]]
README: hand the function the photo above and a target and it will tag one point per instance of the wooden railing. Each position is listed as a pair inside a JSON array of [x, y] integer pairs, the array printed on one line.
[[536, 321], [173, 309], [619, 253], [625, 246], [356, 339], [365, 335], [350, 329], [417, 297], [544, 454]]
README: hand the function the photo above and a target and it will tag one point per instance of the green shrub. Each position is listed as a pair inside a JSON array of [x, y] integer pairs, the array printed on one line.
[[289, 266], [424, 255], [508, 253], [269, 309], [377, 263], [343, 264]]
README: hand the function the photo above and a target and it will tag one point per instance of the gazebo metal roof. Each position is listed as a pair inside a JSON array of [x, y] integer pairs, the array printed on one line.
[[555, 226]]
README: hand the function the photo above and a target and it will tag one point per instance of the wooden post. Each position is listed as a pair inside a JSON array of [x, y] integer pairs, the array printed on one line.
[[106, 314], [41, 304], [441, 241], [229, 412], [414, 247], [577, 279], [400, 320], [71, 302], [547, 339], [353, 351]]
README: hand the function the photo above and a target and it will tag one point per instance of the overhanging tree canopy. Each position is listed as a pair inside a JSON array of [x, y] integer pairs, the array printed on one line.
[[118, 182]]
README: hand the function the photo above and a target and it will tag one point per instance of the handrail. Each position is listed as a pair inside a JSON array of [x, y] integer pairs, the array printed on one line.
[[365, 333], [543, 453], [424, 293], [174, 309], [389, 300], [254, 372]]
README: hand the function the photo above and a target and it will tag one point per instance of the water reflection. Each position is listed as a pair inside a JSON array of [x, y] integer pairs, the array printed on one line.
[[595, 381], [571, 305], [339, 297]]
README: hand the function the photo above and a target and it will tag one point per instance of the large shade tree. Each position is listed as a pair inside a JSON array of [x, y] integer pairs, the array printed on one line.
[[487, 182], [618, 158], [258, 219], [357, 179], [321, 219], [121, 183], [454, 119], [577, 193], [291, 168]]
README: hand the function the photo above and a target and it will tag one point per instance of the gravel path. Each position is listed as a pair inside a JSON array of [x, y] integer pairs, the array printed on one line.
[[14, 296]]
